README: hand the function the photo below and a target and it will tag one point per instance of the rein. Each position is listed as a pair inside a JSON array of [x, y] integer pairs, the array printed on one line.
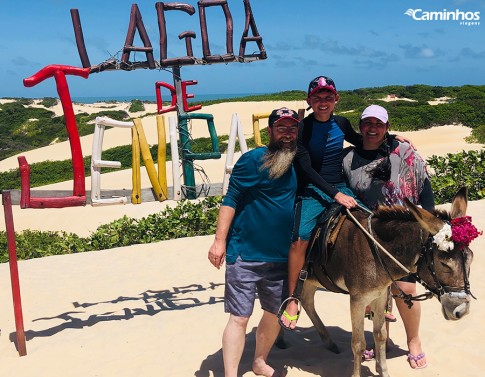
[[408, 299]]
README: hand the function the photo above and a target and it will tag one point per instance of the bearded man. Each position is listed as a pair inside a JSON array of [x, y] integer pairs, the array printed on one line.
[[254, 235]]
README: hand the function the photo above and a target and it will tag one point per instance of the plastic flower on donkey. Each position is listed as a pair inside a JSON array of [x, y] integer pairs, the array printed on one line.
[[463, 232], [459, 234]]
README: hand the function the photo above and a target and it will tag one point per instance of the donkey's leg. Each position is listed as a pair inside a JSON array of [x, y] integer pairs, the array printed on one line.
[[357, 310], [380, 333], [308, 303]]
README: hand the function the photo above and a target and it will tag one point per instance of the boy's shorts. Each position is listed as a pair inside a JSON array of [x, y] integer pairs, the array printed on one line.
[[310, 206], [245, 280]]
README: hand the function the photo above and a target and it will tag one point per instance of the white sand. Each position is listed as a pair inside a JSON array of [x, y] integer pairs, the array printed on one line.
[[156, 309]]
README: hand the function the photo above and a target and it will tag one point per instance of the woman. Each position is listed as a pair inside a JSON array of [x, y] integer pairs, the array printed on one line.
[[384, 171]]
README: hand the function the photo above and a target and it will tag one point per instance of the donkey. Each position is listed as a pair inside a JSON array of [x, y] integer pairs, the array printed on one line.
[[355, 265]]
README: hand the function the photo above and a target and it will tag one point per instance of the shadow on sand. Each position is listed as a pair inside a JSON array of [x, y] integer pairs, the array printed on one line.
[[149, 303], [304, 351]]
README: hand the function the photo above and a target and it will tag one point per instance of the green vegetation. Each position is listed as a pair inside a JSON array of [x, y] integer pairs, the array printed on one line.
[[136, 105], [289, 95], [23, 128], [455, 171], [191, 218], [48, 102], [187, 219], [478, 135], [466, 105], [48, 172]]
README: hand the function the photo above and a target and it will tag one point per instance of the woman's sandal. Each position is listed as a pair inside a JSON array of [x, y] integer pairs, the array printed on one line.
[[368, 355], [389, 317], [416, 358]]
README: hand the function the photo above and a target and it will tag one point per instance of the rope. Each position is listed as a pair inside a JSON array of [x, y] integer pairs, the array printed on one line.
[[374, 240]]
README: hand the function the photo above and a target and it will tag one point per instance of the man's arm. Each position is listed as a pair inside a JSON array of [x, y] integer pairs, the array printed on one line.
[[217, 251]]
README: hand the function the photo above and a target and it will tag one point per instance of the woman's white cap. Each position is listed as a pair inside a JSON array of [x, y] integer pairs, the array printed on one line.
[[375, 111]]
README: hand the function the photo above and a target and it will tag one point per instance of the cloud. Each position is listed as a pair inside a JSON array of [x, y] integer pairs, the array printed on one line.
[[469, 53], [335, 47], [22, 62], [427, 52], [280, 46], [311, 41], [363, 55], [285, 63], [311, 62], [369, 64], [424, 34], [420, 52]]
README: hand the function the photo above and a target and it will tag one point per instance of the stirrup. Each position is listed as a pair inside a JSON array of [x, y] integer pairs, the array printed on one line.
[[282, 312]]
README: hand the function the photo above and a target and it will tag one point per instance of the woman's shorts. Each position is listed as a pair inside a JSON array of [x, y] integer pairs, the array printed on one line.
[[247, 280]]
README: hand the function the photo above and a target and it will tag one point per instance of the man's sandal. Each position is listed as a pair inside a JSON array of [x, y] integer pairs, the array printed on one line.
[[282, 312]]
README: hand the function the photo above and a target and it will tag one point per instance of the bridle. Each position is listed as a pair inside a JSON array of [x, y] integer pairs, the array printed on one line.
[[425, 260]]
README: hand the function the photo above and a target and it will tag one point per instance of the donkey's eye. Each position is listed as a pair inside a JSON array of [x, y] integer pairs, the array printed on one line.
[[446, 266]]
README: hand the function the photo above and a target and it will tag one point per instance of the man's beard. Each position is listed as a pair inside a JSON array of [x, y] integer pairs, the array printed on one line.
[[278, 160]]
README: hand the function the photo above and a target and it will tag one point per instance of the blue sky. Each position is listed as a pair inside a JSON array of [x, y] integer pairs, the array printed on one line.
[[358, 43]]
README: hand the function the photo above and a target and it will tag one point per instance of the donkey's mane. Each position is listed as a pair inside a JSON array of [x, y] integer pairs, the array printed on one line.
[[396, 212], [399, 212]]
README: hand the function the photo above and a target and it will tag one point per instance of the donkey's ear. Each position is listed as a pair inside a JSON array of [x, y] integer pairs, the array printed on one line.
[[459, 203], [427, 220]]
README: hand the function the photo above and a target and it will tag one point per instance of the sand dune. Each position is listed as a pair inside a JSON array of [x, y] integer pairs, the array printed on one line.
[[438, 140], [157, 310]]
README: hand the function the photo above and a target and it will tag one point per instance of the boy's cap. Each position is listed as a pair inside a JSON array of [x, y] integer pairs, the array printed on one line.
[[320, 83], [283, 113], [375, 111]]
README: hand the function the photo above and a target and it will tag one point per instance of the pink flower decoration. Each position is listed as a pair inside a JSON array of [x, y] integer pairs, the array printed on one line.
[[463, 232]]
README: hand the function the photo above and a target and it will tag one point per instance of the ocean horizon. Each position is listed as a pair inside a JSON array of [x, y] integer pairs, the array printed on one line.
[[153, 98]]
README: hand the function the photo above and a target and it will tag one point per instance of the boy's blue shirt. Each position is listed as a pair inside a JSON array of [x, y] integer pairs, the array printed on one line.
[[325, 148]]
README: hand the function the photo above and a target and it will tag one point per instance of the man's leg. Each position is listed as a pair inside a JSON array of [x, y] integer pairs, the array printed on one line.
[[411, 318], [233, 341], [266, 334]]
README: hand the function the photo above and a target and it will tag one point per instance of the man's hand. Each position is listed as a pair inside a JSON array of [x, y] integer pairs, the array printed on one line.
[[217, 253]]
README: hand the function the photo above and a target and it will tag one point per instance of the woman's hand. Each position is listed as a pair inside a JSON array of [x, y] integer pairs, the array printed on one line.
[[402, 139]]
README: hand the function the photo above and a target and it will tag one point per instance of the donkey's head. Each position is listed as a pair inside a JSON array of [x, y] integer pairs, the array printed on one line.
[[444, 265]]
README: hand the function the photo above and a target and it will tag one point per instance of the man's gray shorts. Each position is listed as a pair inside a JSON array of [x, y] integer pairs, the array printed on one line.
[[246, 279]]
